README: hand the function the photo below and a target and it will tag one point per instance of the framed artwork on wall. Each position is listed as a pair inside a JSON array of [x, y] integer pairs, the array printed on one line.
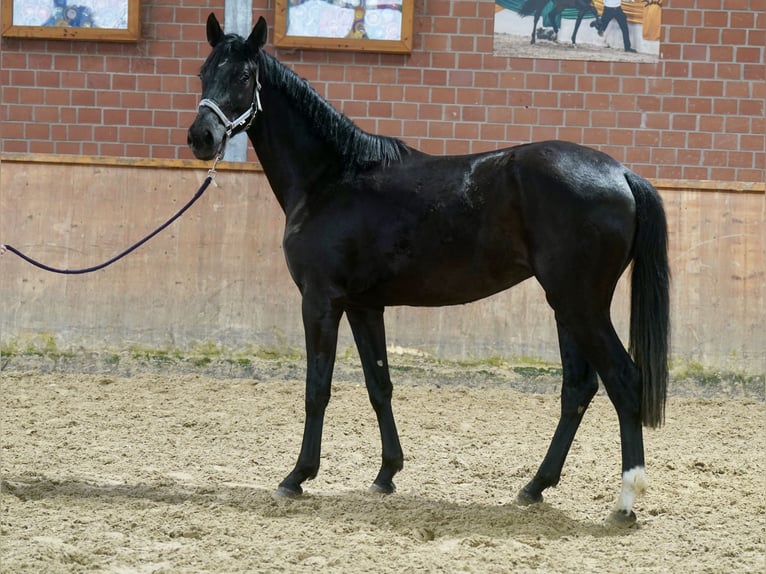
[[351, 25], [596, 30], [94, 20]]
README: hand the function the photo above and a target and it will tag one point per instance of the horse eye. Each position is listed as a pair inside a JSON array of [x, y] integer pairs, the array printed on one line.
[[244, 77]]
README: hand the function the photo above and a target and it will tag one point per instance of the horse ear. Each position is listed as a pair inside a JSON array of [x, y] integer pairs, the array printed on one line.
[[214, 32], [258, 36]]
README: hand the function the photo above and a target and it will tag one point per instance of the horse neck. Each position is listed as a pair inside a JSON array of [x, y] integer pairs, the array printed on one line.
[[303, 143], [293, 158]]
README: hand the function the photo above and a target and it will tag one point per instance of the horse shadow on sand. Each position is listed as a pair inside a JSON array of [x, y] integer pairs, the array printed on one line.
[[407, 514]]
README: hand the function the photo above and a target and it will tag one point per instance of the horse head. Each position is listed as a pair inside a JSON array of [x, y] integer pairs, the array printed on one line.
[[230, 89]]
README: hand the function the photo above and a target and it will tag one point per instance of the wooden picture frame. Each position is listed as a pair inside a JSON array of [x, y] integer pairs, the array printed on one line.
[[351, 25], [72, 20]]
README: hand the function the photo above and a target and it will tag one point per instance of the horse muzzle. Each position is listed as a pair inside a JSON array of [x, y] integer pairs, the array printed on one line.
[[206, 136]]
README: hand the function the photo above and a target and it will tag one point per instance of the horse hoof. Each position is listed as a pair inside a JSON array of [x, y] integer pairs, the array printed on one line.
[[621, 519], [285, 492], [526, 498], [376, 488]]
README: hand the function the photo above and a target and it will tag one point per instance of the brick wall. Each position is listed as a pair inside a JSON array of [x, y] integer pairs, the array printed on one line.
[[697, 113]]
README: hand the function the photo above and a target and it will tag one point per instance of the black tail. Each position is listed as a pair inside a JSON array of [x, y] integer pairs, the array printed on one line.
[[530, 7], [650, 300]]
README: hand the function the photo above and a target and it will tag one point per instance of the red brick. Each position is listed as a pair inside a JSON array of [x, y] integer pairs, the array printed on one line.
[[443, 95], [11, 60], [712, 123], [442, 130], [435, 77], [415, 129], [526, 116], [467, 131], [389, 127], [365, 92], [460, 78], [461, 43], [681, 35], [571, 100], [338, 91], [474, 114], [734, 36], [699, 105], [46, 114], [721, 53], [355, 109], [538, 81], [165, 118], [380, 109], [594, 136], [744, 20], [405, 111], [543, 100], [751, 108], [571, 118], [740, 159], [445, 25], [722, 174], [747, 54], [723, 107], [649, 138], [486, 80], [494, 97], [536, 133], [115, 117], [752, 142], [563, 83]]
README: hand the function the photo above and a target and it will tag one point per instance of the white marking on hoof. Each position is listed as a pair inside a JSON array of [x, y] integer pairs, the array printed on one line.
[[633, 485]]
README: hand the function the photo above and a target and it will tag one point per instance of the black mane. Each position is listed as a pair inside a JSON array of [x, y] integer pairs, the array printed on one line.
[[358, 148]]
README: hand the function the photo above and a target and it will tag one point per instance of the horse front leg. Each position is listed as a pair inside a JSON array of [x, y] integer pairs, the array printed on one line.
[[369, 334], [576, 28], [320, 323]]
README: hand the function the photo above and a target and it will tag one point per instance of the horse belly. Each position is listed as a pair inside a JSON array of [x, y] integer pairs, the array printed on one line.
[[451, 282]]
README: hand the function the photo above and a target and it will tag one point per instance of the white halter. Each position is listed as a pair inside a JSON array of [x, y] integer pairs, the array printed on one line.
[[240, 124]]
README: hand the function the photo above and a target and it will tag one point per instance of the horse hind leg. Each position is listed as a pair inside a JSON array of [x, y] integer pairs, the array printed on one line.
[[578, 387], [553, 16], [534, 25], [368, 329], [595, 336]]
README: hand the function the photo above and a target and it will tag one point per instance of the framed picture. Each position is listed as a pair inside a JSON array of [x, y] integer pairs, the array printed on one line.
[[352, 25], [579, 30], [94, 20]]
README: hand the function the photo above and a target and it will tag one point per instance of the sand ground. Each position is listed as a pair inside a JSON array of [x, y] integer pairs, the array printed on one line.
[[174, 473]]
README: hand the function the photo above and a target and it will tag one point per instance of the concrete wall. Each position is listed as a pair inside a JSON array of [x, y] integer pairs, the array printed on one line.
[[218, 275]]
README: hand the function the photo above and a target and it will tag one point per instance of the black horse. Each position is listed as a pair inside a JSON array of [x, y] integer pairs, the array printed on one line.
[[536, 7], [371, 222]]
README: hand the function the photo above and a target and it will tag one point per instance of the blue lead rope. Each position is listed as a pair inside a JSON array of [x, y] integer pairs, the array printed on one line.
[[200, 191]]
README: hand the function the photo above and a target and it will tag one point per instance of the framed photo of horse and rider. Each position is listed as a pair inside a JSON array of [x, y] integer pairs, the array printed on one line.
[[608, 30]]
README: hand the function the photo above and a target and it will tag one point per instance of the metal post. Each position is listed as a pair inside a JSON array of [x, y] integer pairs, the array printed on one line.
[[238, 19]]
